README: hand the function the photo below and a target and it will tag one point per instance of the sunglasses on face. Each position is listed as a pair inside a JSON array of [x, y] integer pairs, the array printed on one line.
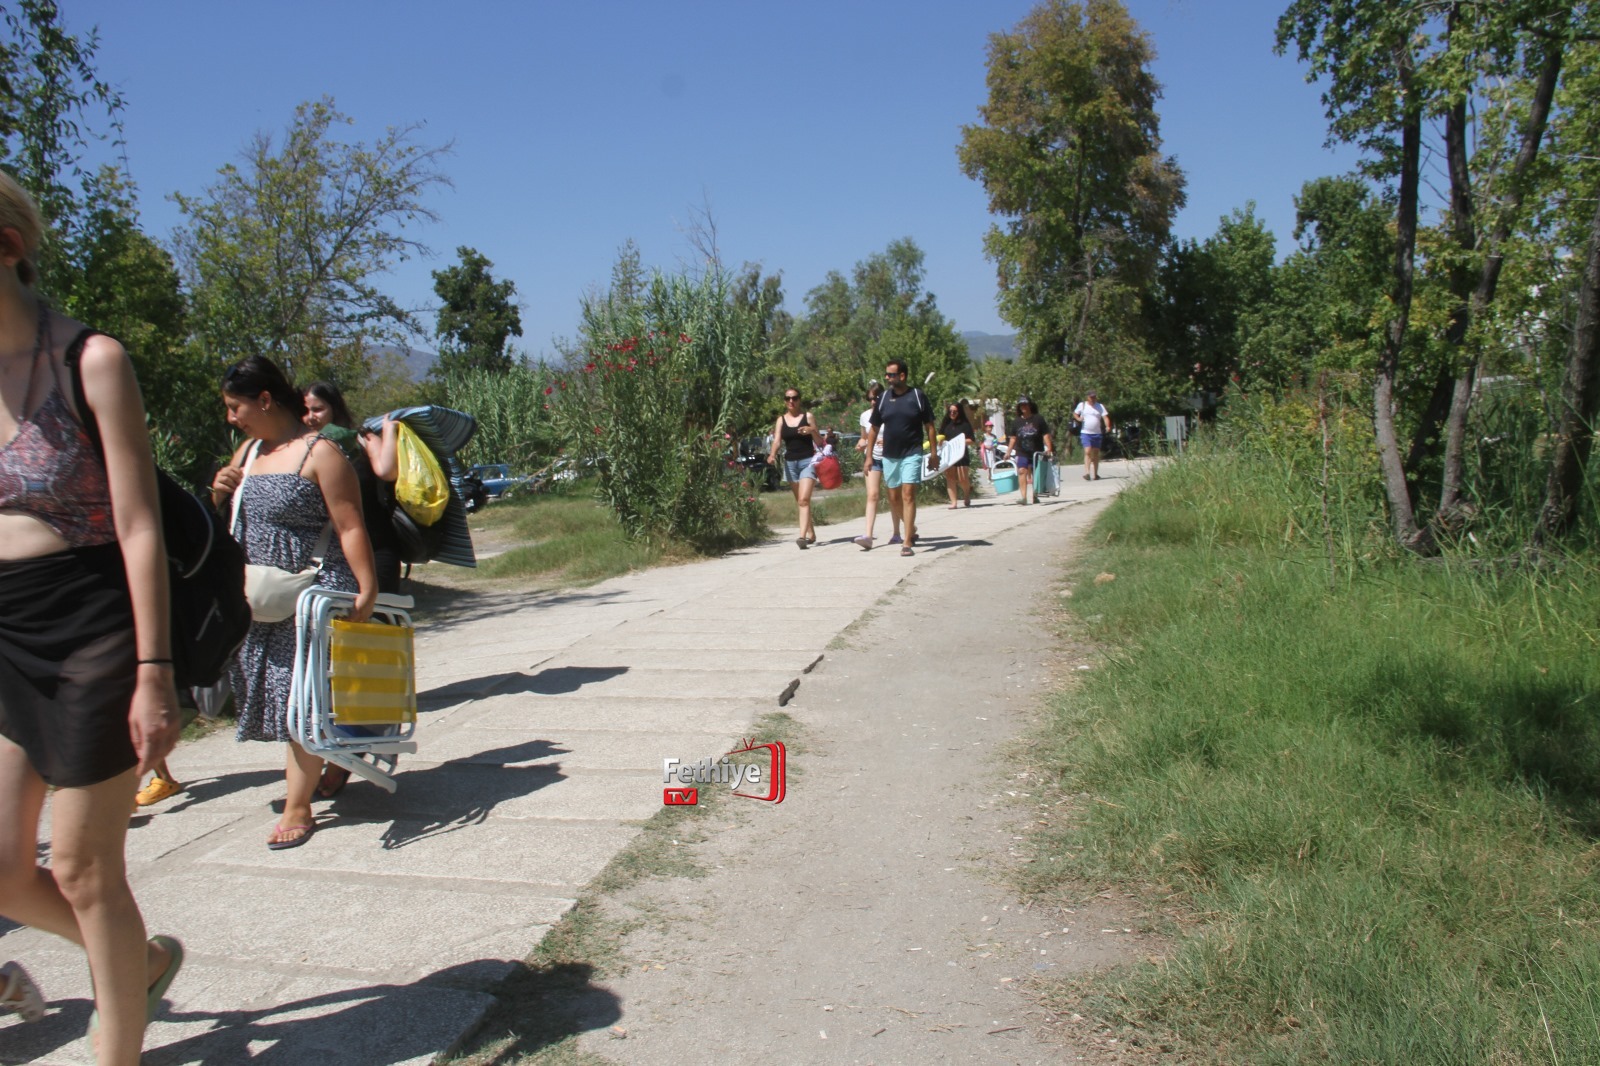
[[893, 377], [791, 397]]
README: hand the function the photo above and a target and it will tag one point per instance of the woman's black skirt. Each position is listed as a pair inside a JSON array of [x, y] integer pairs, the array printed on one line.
[[67, 664]]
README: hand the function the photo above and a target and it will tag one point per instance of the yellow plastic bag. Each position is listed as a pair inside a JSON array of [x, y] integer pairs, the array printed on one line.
[[371, 674], [421, 488]]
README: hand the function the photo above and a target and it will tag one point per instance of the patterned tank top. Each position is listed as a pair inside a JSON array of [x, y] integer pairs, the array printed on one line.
[[49, 470]]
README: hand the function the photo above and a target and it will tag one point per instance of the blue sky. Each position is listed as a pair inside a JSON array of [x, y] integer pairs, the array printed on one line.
[[817, 132]]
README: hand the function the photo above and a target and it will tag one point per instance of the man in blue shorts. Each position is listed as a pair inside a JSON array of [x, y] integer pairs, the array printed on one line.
[[902, 416], [1095, 422]]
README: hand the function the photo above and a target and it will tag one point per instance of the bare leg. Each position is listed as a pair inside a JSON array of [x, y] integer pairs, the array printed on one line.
[[88, 829], [301, 774], [950, 486], [29, 894], [874, 489], [908, 510], [1024, 481], [964, 478], [802, 496]]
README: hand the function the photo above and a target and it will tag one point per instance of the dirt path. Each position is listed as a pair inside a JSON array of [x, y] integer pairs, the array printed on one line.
[[867, 919]]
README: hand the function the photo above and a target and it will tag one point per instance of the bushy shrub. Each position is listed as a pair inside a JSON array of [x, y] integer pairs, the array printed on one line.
[[655, 409]]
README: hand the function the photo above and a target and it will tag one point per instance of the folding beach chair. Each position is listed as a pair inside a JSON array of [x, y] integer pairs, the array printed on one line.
[[1046, 475], [353, 700]]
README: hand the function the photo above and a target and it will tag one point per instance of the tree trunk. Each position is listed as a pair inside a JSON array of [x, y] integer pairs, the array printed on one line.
[[1489, 276], [1401, 510], [1462, 310], [1580, 401]]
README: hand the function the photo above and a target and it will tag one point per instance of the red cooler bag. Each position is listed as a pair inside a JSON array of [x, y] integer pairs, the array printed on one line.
[[829, 476]]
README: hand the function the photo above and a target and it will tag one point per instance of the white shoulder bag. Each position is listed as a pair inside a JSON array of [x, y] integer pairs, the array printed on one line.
[[274, 593]]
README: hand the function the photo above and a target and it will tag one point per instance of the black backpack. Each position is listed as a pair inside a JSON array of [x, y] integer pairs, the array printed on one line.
[[205, 565]]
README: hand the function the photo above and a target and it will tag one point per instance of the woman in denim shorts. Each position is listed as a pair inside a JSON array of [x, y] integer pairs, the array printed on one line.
[[797, 431]]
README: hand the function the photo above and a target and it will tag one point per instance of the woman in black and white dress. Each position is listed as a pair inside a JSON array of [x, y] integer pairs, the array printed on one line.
[[301, 491]]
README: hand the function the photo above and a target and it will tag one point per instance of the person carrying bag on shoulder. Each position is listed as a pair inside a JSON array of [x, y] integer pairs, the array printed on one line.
[[301, 498]]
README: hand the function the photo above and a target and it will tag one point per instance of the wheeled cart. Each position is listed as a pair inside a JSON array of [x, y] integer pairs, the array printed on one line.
[[353, 699]]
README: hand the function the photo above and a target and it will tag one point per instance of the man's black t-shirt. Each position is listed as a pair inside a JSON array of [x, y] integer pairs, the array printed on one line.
[[902, 419]]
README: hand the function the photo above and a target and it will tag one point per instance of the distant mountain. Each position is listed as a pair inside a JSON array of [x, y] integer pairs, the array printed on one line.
[[417, 361], [981, 345]]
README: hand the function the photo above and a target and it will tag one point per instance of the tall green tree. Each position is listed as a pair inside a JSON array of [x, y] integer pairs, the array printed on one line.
[[95, 263], [853, 325], [1208, 290], [1375, 96], [53, 103], [284, 254], [1326, 294], [1393, 73], [477, 316], [1069, 153]]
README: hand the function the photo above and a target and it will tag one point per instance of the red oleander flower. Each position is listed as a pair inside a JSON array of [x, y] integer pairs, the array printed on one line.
[[548, 390]]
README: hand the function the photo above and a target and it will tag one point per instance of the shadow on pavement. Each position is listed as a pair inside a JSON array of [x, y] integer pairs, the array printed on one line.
[[948, 540], [560, 680], [376, 1025], [539, 1007], [451, 796], [446, 607], [204, 789], [556, 681]]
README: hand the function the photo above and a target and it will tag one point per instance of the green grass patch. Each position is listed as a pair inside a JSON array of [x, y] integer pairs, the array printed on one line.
[[569, 539], [848, 503], [1378, 787]]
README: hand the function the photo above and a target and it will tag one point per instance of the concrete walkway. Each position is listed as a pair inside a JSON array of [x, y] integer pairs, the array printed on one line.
[[543, 734]]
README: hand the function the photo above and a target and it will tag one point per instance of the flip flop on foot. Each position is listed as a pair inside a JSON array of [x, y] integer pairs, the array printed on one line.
[[802, 543], [158, 988], [285, 837], [174, 949], [906, 550], [19, 993], [334, 778], [865, 542]]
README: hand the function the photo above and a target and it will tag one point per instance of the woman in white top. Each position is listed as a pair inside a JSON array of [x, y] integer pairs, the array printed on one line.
[[875, 475]]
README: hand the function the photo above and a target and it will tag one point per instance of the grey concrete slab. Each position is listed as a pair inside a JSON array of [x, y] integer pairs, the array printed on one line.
[[772, 622], [222, 1015], [681, 639], [439, 792], [387, 927], [543, 715], [469, 845], [603, 676], [151, 838], [575, 750], [779, 661]]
